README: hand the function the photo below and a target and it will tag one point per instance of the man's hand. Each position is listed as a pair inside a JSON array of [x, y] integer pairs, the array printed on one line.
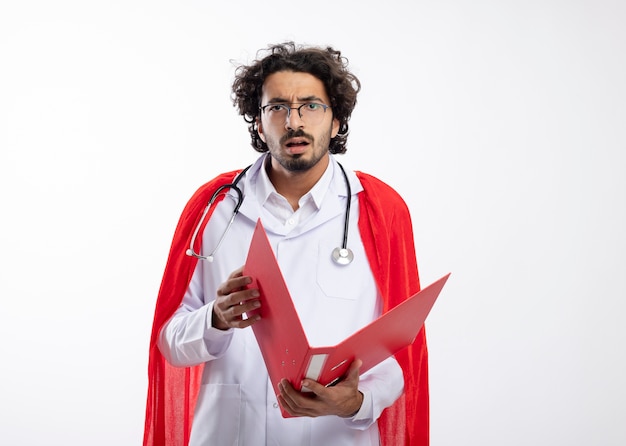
[[344, 399], [233, 300]]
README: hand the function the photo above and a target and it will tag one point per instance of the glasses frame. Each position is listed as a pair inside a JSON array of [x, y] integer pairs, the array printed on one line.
[[289, 108]]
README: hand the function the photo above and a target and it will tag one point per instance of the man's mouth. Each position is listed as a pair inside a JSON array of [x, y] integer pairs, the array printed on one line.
[[297, 143]]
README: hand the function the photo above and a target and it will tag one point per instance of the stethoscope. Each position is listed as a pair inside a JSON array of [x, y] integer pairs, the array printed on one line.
[[340, 255]]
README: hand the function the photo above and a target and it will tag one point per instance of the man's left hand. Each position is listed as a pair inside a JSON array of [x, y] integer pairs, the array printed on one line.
[[343, 399]]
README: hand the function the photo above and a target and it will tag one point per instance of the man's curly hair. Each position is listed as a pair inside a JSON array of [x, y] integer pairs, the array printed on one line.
[[325, 64]]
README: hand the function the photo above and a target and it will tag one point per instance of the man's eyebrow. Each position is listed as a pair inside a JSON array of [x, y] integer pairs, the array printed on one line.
[[280, 100]]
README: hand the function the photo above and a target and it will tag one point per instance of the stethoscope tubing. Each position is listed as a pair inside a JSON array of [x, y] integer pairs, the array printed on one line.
[[342, 255]]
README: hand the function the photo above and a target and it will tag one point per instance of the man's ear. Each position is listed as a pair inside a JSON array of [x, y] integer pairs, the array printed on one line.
[[335, 127], [259, 130]]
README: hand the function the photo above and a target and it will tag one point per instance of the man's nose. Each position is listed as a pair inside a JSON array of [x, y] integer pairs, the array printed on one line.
[[293, 120]]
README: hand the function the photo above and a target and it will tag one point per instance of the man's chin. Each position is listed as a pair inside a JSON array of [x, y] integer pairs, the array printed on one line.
[[297, 163]]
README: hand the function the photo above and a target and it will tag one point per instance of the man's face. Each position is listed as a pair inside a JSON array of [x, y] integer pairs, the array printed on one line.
[[297, 145]]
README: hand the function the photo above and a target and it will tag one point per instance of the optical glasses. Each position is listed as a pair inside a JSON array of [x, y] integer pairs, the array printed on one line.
[[310, 112]]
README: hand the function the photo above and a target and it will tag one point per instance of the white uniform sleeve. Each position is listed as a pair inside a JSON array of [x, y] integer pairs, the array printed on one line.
[[189, 338], [381, 386]]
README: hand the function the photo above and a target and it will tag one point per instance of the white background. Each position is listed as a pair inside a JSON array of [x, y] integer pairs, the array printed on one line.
[[502, 123]]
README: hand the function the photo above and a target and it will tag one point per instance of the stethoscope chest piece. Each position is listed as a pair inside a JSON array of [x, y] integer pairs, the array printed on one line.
[[342, 256]]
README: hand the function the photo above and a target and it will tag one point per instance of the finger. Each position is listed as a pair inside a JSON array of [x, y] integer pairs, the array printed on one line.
[[233, 284], [351, 378], [229, 310], [353, 371], [245, 303], [294, 402], [233, 296], [243, 322], [287, 407], [285, 399], [314, 387]]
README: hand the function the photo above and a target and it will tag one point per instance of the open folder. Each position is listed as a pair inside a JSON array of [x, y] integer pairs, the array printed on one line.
[[284, 344]]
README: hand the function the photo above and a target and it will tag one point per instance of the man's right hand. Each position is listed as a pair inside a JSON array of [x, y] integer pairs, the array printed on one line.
[[233, 301]]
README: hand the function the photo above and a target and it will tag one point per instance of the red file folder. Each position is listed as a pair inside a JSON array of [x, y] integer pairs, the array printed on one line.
[[284, 344]]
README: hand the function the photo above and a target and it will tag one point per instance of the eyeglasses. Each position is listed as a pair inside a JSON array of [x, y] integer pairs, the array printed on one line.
[[310, 112]]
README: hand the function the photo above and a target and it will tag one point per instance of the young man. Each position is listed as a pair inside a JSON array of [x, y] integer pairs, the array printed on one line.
[[208, 384]]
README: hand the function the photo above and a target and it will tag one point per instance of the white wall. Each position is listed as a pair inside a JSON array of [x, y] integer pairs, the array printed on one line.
[[501, 122]]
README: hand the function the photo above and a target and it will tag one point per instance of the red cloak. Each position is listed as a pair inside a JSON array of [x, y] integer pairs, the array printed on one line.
[[387, 234]]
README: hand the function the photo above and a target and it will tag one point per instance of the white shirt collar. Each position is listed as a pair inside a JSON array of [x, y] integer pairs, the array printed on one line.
[[265, 190]]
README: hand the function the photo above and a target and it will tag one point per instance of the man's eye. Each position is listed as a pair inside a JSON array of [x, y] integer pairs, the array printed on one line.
[[313, 106], [277, 108]]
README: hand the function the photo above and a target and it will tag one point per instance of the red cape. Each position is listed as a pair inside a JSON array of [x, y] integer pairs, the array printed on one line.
[[387, 234]]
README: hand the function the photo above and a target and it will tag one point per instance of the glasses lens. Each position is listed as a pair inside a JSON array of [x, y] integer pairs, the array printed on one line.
[[312, 112]]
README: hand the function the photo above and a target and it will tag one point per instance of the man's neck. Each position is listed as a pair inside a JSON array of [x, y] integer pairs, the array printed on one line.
[[293, 185]]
